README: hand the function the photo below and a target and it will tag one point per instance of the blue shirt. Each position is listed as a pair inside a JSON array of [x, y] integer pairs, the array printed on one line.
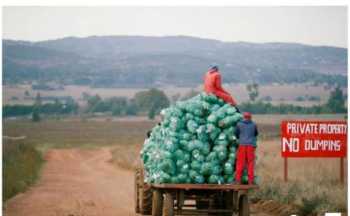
[[246, 132]]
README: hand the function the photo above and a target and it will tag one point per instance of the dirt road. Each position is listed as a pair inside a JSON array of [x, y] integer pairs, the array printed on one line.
[[77, 182]]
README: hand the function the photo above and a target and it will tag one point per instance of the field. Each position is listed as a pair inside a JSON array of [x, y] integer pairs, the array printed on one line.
[[313, 183], [286, 93]]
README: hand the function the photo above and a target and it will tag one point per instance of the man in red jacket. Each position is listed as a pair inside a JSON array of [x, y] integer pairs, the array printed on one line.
[[212, 84]]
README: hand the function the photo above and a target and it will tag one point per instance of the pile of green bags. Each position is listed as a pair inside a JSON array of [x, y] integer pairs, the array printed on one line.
[[195, 143]]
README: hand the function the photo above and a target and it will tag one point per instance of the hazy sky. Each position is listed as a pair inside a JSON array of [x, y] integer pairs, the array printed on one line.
[[309, 25]]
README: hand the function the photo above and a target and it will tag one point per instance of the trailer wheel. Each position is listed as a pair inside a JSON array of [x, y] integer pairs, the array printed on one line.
[[168, 208], [145, 197], [157, 203], [243, 205], [137, 190]]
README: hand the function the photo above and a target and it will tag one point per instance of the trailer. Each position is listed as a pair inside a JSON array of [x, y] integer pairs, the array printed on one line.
[[190, 199]]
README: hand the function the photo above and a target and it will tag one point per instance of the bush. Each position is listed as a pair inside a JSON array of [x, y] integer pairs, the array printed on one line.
[[21, 165]]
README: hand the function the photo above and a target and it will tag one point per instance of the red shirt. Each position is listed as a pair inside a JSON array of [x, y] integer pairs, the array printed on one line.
[[212, 84]]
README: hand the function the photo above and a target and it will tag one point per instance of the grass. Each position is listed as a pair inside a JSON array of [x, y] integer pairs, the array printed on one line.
[[313, 184], [21, 166], [69, 133]]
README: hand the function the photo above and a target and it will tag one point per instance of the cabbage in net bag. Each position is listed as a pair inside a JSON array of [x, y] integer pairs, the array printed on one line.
[[195, 143]]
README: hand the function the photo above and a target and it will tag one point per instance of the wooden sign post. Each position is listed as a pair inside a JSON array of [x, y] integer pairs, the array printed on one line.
[[301, 138]]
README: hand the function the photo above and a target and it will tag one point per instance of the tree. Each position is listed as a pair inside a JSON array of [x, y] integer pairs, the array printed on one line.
[[35, 115], [93, 103], [253, 91], [131, 108], [151, 99], [85, 96], [336, 101], [38, 101], [152, 112], [37, 108]]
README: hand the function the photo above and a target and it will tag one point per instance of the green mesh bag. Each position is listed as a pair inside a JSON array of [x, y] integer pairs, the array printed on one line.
[[192, 126], [205, 150], [196, 165], [214, 134], [232, 156], [187, 157], [227, 121], [230, 133], [164, 178], [231, 110], [189, 116], [202, 133], [176, 124], [184, 168], [229, 179], [213, 179], [221, 142], [221, 114], [216, 169], [168, 166], [212, 118], [205, 106], [210, 98], [192, 174], [206, 169], [170, 145], [199, 179], [212, 156], [179, 154], [186, 136], [214, 108], [182, 177], [195, 143], [200, 121], [244, 179], [180, 163], [228, 168], [197, 155], [174, 180]]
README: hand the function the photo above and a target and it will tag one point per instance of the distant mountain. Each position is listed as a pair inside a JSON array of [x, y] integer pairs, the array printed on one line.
[[148, 61]]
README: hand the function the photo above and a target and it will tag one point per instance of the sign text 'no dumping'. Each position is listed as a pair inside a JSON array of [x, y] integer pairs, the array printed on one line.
[[313, 138]]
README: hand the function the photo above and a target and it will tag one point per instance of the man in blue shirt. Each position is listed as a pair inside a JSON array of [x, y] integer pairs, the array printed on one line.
[[246, 132]]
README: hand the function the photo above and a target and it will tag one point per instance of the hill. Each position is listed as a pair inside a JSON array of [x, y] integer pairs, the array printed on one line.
[[118, 61]]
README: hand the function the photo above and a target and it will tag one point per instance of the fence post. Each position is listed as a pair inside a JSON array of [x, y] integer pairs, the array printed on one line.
[[342, 170], [285, 169]]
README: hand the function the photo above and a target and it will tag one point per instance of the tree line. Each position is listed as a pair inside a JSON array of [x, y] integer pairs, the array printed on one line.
[[151, 102]]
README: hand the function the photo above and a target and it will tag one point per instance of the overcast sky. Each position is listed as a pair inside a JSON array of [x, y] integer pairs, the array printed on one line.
[[309, 25]]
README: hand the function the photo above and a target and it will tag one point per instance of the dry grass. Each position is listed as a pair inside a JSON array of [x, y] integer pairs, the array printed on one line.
[[75, 133], [309, 179]]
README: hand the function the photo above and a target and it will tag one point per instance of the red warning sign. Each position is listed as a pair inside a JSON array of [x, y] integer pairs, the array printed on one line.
[[313, 138]]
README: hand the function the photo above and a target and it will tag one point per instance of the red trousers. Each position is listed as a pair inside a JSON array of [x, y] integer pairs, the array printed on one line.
[[245, 155]]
